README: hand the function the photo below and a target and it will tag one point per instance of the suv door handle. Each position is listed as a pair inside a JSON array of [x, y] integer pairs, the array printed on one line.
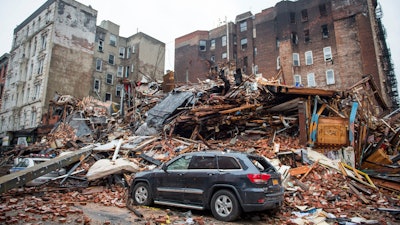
[[211, 174]]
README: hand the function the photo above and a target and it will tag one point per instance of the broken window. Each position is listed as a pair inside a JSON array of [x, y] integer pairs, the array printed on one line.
[[212, 45], [245, 63], [304, 15], [202, 45], [297, 80], [223, 40], [243, 43], [324, 30], [322, 10], [311, 80], [99, 63], [100, 46], [294, 38], [40, 67], [224, 55], [120, 71], [96, 85], [306, 36], [118, 90], [109, 78], [309, 57], [108, 97], [243, 26], [111, 59], [113, 40], [292, 17], [327, 54], [330, 77], [122, 52], [296, 59]]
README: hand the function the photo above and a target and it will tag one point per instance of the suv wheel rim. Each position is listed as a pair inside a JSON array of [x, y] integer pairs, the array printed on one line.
[[223, 205], [141, 194]]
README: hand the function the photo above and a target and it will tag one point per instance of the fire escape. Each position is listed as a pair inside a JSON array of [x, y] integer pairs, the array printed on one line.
[[391, 82]]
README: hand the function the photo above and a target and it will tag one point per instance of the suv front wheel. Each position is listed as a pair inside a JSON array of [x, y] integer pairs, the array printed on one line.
[[141, 194], [225, 206]]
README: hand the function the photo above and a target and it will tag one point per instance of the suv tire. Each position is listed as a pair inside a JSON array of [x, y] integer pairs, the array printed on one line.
[[225, 206], [141, 194]]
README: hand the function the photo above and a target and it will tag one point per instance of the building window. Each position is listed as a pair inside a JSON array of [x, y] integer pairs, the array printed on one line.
[[223, 40], [311, 80], [99, 64], [327, 53], [255, 51], [108, 97], [294, 38], [113, 40], [120, 71], [33, 118], [109, 78], [243, 43], [37, 91], [111, 59], [309, 58], [128, 53], [324, 30], [330, 77], [100, 47], [96, 85], [121, 52], [304, 15], [127, 71], [292, 17], [212, 59], [212, 45], [297, 80], [224, 55], [202, 45], [40, 67], [306, 36], [44, 41], [243, 26], [255, 69], [132, 68], [278, 62], [322, 10], [296, 59], [118, 90], [278, 43], [34, 46]]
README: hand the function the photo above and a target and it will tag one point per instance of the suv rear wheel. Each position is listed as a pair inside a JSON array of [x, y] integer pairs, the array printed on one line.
[[141, 194], [225, 206]]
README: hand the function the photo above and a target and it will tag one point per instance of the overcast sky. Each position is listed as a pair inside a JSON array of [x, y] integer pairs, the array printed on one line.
[[166, 20]]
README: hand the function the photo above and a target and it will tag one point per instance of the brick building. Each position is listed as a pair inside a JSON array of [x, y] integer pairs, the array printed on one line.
[[313, 43], [55, 51]]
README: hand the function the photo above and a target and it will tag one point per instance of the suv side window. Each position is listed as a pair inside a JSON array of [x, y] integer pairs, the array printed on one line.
[[203, 162], [180, 164], [228, 163]]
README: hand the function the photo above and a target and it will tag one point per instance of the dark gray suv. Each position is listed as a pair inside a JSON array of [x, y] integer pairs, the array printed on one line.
[[226, 182]]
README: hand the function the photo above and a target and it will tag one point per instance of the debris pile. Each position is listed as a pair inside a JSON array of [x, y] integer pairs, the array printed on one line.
[[337, 151]]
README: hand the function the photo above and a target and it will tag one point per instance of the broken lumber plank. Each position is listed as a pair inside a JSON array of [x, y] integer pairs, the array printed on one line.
[[247, 106], [366, 191], [298, 171], [359, 194], [150, 159], [309, 170]]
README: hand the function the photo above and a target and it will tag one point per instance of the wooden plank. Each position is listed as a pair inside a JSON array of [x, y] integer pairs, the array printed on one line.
[[298, 170], [359, 194]]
